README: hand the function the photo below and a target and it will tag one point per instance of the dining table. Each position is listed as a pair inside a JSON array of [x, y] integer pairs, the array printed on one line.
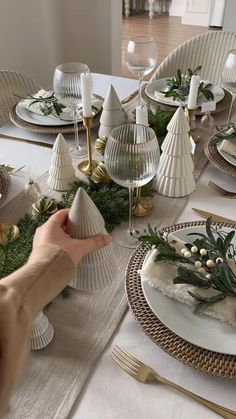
[[107, 392]]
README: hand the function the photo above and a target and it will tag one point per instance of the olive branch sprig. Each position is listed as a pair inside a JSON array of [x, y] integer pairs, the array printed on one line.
[[203, 263], [179, 85]]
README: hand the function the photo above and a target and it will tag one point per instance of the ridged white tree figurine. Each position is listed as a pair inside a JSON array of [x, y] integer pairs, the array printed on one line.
[[42, 332], [61, 171], [112, 114], [175, 172], [99, 268]]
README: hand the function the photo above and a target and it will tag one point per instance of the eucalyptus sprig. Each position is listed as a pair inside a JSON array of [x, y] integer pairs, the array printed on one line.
[[225, 135], [203, 263], [179, 85], [48, 105]]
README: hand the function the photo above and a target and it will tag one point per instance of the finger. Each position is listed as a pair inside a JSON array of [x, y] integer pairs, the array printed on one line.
[[94, 243], [59, 217]]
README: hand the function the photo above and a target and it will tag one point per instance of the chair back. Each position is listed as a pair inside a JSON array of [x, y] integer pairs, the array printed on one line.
[[13, 87], [208, 50]]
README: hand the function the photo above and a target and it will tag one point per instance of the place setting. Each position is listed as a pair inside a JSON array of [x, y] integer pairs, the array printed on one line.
[[53, 112]]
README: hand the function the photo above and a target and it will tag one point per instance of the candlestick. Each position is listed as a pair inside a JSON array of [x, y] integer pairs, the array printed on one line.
[[89, 165], [86, 90], [142, 115], [193, 92], [143, 206]]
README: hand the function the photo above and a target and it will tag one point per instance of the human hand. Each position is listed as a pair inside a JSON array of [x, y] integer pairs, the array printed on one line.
[[54, 232]]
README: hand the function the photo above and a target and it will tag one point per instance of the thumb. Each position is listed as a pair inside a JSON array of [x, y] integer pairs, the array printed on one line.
[[94, 243]]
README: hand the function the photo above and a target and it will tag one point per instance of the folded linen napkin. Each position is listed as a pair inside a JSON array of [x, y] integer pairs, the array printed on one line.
[[160, 275], [229, 146], [67, 113]]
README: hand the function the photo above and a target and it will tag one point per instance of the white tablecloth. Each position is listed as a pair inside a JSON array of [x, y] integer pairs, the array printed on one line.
[[110, 393]]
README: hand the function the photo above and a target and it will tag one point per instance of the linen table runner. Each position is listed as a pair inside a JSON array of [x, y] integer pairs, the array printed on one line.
[[84, 322]]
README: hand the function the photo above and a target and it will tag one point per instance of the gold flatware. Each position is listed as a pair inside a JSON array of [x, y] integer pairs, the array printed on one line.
[[146, 374], [215, 217], [221, 191], [23, 140]]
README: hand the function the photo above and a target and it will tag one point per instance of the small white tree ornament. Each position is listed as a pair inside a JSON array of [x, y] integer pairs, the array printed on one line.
[[99, 268], [175, 172], [112, 114], [61, 171]]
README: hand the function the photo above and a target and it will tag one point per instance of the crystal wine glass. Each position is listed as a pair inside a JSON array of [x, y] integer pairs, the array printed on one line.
[[228, 78], [67, 88], [141, 57], [131, 159]]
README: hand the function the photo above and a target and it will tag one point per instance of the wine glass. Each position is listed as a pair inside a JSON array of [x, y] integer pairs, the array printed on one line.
[[131, 159], [228, 78], [67, 88], [141, 57]]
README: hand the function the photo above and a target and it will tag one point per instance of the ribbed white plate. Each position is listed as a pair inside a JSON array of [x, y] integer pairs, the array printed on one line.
[[201, 330], [226, 156], [160, 84]]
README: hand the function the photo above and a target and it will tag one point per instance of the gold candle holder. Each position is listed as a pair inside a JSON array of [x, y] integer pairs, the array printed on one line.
[[87, 166], [191, 116], [143, 206]]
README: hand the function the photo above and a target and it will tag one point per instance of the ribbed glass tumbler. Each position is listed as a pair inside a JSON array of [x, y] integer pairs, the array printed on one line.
[[131, 159]]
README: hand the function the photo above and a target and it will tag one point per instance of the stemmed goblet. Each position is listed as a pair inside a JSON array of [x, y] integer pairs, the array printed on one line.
[[141, 58], [67, 88], [131, 159], [228, 78]]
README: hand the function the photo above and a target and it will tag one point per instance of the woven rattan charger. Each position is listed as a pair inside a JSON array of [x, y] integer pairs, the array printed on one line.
[[5, 183], [217, 160], [201, 359]]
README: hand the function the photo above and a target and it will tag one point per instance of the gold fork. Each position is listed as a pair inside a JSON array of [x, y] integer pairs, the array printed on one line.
[[146, 374], [221, 191]]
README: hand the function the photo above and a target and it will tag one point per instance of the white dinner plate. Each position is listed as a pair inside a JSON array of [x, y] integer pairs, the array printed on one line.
[[34, 118], [201, 330], [226, 156], [160, 84]]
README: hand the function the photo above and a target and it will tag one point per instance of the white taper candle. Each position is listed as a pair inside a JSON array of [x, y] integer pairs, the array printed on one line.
[[86, 90], [142, 115], [193, 92]]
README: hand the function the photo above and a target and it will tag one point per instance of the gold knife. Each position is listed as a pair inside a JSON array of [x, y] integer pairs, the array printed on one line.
[[23, 140], [215, 217]]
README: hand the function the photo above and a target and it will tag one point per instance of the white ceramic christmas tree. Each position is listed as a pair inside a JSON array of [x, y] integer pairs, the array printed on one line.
[[112, 114], [61, 171], [42, 332], [175, 172], [99, 268]]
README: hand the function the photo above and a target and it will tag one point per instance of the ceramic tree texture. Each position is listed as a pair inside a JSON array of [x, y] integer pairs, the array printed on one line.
[[99, 268], [112, 114], [42, 332]]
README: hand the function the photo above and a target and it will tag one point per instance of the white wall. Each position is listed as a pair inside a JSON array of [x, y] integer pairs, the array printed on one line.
[[229, 23], [177, 8], [35, 36]]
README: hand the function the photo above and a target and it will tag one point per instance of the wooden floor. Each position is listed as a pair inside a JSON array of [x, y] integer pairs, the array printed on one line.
[[167, 31]]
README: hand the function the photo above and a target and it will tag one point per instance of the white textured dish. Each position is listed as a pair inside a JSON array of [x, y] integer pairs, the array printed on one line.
[[230, 159], [203, 331], [160, 84], [33, 118]]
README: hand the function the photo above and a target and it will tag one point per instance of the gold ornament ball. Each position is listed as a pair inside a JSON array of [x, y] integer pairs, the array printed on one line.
[[100, 174], [8, 233], [44, 206], [100, 145]]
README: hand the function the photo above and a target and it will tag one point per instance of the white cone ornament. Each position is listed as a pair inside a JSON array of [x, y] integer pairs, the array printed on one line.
[[99, 268], [112, 114], [42, 332], [61, 171], [175, 172]]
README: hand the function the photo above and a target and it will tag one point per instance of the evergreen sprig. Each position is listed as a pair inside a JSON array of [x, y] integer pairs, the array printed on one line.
[[217, 248], [179, 85], [224, 135], [48, 105]]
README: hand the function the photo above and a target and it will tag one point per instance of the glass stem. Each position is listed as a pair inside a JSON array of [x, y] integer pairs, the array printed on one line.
[[140, 90], [77, 147], [231, 108], [131, 199]]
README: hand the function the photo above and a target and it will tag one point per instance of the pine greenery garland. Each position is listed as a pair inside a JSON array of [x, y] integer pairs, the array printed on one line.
[[111, 200]]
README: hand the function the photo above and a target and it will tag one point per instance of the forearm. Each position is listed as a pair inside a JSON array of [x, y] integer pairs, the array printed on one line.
[[46, 273], [23, 295]]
